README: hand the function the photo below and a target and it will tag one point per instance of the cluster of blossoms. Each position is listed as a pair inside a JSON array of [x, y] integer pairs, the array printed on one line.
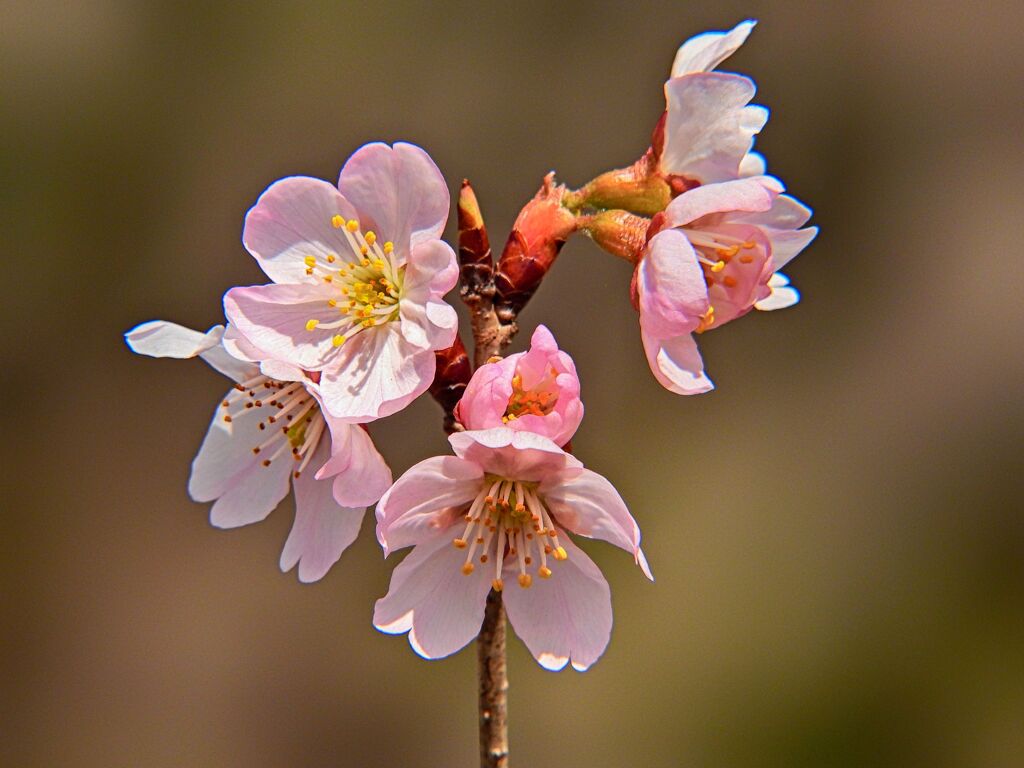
[[354, 326]]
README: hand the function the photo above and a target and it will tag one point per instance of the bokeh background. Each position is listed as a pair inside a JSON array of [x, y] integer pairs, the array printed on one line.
[[836, 531]]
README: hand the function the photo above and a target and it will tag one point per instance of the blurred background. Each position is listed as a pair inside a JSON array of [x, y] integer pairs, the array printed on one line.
[[836, 531]]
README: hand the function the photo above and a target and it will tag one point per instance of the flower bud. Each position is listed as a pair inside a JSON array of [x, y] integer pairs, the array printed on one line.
[[540, 231], [475, 261], [450, 379]]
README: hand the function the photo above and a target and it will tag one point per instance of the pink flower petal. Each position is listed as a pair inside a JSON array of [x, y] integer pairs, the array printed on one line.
[[292, 220], [754, 194], [673, 295], [361, 476], [786, 212], [375, 374], [430, 597], [399, 193], [412, 509], [322, 529], [676, 364], [564, 618], [273, 318], [705, 52], [486, 397], [511, 454], [587, 504], [709, 129]]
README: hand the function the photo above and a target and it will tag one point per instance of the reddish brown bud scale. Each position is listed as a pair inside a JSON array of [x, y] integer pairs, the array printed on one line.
[[540, 231], [450, 379], [476, 263]]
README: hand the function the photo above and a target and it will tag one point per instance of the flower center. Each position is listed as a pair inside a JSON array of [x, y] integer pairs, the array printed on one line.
[[289, 418], [508, 519], [538, 400], [369, 285], [715, 251]]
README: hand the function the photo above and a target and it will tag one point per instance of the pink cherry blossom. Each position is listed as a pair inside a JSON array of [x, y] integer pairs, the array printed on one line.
[[536, 391], [265, 433], [710, 125], [716, 257], [498, 511], [359, 274]]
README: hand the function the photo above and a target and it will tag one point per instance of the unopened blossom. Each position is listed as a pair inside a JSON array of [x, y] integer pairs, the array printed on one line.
[[536, 391], [269, 433], [497, 516], [359, 274], [715, 258]]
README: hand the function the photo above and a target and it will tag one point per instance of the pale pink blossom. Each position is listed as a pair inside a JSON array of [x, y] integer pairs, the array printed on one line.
[[270, 432], [535, 391], [710, 124], [715, 258], [359, 274], [496, 515]]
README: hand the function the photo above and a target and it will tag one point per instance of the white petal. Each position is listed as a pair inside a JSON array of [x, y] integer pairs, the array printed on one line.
[[323, 529], [705, 52]]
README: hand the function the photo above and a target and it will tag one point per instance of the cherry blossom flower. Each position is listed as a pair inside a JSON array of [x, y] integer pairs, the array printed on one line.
[[536, 391], [500, 510], [716, 257], [265, 434], [710, 125], [358, 275]]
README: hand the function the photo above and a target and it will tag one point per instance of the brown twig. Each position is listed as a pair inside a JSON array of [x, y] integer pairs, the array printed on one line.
[[490, 652]]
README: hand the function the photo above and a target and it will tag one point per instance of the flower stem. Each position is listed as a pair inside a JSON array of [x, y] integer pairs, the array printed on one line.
[[490, 646]]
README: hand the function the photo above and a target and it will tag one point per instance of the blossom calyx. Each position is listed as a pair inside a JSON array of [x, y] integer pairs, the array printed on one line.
[[639, 188], [621, 233], [539, 232]]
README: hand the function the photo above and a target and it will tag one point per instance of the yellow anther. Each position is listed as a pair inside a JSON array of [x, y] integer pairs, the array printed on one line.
[[310, 261], [497, 584], [332, 302], [718, 266], [352, 225], [467, 568], [388, 246], [338, 340], [328, 279], [561, 554], [525, 580], [378, 264], [311, 324], [544, 572], [371, 238], [459, 543], [331, 257], [337, 221]]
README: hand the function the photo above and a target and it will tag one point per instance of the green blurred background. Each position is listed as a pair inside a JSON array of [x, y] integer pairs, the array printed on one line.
[[836, 531]]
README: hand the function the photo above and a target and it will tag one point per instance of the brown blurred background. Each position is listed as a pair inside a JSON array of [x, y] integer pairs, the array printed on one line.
[[836, 530]]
